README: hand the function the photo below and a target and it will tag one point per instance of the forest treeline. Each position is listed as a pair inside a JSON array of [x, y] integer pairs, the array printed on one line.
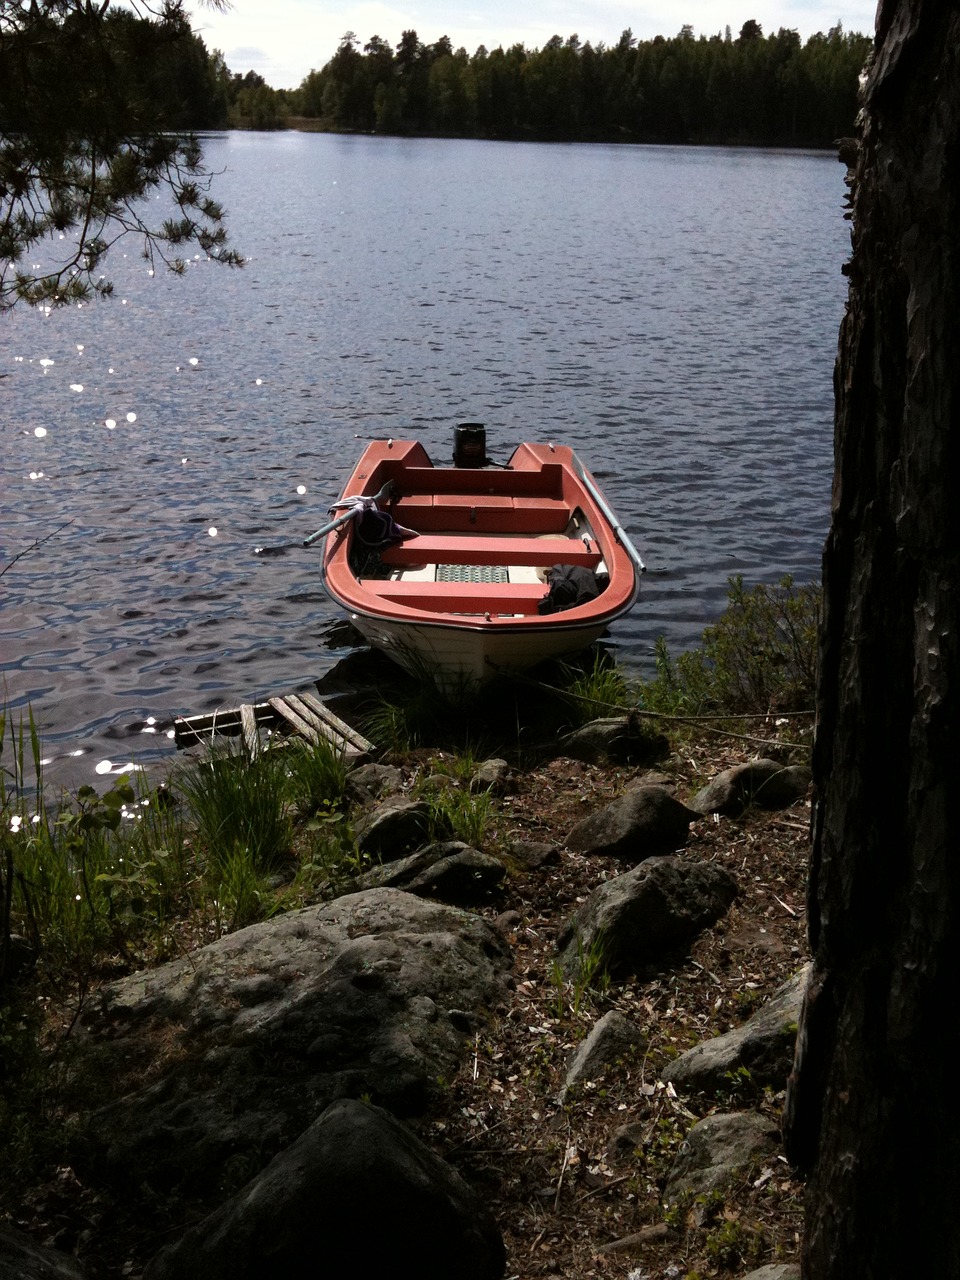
[[752, 89], [749, 89]]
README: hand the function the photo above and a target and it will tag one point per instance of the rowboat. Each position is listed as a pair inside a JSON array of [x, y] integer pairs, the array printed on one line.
[[471, 570]]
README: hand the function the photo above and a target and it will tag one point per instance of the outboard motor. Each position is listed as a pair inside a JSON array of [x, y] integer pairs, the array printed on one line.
[[470, 445]]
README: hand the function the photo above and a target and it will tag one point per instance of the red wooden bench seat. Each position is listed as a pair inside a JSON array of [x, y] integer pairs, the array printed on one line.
[[428, 549], [460, 597], [481, 513]]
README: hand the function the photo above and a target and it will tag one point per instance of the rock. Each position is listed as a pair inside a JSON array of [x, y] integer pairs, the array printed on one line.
[[618, 740], [534, 853], [715, 1151], [371, 782], [393, 829], [613, 1037], [495, 776], [216, 1061], [467, 878], [643, 915], [357, 1195], [763, 1045], [640, 824], [776, 1271], [447, 871], [763, 782], [22, 1259], [627, 1140]]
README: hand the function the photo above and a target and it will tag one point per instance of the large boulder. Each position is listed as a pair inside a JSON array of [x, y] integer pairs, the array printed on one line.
[[762, 782], [763, 1046], [357, 1195], [641, 823], [643, 915], [22, 1259], [217, 1061]]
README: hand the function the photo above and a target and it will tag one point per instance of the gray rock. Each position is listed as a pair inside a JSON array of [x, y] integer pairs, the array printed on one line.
[[627, 1140], [616, 740], [22, 1259], [448, 871], [763, 782], [493, 775], [467, 878], [357, 1195], [217, 1061], [534, 853], [613, 1037], [763, 1045], [639, 824], [393, 829], [776, 1271], [371, 782], [716, 1151], [643, 915]]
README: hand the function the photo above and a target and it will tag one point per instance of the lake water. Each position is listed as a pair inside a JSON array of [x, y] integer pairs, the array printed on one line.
[[672, 313]]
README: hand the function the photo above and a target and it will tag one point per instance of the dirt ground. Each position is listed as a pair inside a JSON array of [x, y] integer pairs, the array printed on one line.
[[566, 1204]]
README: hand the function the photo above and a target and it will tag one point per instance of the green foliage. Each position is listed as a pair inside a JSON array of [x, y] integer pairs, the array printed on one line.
[[94, 102], [590, 980], [460, 813], [761, 656], [238, 804], [596, 690], [756, 89], [316, 775]]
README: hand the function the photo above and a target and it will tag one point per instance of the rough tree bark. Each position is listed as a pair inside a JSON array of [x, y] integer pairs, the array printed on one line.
[[871, 1109]]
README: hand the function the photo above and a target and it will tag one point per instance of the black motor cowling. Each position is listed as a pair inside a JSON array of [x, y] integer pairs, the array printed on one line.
[[470, 445]]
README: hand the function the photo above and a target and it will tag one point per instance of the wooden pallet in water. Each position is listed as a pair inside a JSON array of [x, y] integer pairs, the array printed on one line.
[[302, 714]]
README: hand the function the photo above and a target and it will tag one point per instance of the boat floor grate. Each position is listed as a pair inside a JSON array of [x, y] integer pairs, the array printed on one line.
[[472, 573]]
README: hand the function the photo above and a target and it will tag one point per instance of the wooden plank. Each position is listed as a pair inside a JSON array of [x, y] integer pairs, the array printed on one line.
[[325, 730], [350, 735], [294, 719], [248, 721], [428, 549]]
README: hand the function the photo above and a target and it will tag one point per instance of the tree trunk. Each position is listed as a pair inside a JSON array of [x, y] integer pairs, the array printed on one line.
[[871, 1109]]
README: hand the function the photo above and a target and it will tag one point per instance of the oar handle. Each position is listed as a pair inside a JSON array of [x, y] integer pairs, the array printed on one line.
[[329, 527]]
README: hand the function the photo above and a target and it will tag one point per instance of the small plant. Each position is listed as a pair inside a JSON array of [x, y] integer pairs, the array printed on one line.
[[316, 775], [591, 977], [595, 691], [760, 656], [461, 813], [238, 802]]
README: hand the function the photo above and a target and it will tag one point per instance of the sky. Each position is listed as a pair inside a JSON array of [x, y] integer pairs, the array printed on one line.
[[283, 40]]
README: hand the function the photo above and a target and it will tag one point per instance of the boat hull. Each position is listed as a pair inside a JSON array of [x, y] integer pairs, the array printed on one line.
[[461, 600]]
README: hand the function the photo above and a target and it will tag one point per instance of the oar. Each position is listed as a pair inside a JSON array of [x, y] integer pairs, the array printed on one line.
[[280, 548]]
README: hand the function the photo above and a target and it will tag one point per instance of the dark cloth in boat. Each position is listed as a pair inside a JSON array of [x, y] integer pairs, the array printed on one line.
[[376, 528], [570, 585]]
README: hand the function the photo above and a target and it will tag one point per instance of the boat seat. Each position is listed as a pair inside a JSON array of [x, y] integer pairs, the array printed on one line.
[[460, 597], [427, 549], [545, 482], [481, 513]]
